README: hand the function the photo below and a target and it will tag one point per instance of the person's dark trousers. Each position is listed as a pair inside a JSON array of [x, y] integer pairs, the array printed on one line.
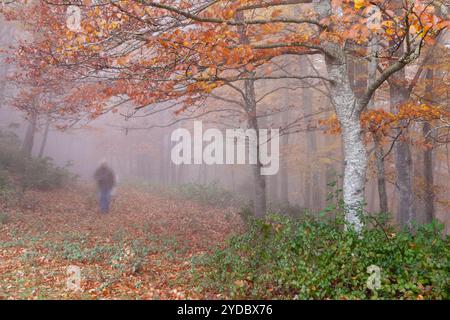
[[105, 200]]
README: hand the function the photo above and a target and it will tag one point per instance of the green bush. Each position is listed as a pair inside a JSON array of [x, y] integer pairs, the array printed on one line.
[[28, 173], [286, 258], [42, 174]]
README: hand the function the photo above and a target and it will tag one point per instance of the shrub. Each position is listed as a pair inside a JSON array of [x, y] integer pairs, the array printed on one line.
[[36, 173], [42, 174], [281, 257]]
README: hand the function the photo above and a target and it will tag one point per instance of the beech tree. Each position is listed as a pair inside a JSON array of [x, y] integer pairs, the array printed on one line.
[[149, 52]]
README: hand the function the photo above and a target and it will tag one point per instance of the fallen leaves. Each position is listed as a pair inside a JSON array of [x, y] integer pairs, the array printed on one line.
[[141, 250]]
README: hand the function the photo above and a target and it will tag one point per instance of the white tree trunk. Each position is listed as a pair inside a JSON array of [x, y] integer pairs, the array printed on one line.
[[355, 170], [355, 156]]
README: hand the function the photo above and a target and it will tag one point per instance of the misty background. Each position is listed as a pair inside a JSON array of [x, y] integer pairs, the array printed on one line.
[[137, 144]]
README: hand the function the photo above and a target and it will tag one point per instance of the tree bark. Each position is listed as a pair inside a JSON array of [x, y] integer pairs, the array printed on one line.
[[348, 113], [379, 150], [284, 166], [284, 176], [403, 160], [312, 177], [381, 175], [259, 181], [28, 142], [44, 139], [428, 159]]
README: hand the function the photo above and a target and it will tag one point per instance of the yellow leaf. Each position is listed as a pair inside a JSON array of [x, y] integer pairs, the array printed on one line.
[[359, 4]]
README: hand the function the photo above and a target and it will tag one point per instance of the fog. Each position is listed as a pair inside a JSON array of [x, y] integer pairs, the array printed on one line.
[[224, 150], [137, 144]]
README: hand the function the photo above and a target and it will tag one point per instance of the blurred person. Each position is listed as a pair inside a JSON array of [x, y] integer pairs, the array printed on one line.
[[106, 180]]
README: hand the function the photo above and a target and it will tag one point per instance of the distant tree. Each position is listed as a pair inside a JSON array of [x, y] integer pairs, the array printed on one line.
[[148, 52]]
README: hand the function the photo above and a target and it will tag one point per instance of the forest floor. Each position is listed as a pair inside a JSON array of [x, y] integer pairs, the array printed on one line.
[[142, 249]]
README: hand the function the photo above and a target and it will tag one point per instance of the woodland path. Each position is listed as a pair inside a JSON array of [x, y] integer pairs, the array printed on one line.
[[141, 250]]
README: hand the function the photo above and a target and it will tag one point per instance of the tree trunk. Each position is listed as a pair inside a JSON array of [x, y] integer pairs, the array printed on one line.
[[28, 142], [312, 176], [399, 94], [355, 170], [272, 180], [259, 181], [428, 160], [379, 150], [284, 176], [381, 175], [44, 139], [355, 155], [403, 161], [259, 198]]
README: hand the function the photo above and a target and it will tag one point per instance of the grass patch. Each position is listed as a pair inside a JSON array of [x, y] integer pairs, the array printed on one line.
[[211, 194]]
